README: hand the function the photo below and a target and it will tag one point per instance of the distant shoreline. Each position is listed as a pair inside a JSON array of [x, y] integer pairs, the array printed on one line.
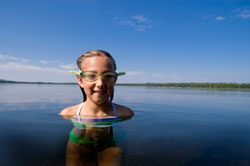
[[27, 82], [190, 85]]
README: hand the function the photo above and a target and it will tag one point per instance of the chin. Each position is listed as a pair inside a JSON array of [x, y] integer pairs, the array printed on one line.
[[100, 101]]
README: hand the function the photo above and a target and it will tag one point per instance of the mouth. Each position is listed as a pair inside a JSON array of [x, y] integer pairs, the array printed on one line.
[[100, 92]]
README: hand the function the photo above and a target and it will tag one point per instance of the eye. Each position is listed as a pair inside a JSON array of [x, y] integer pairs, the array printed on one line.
[[109, 76], [90, 76]]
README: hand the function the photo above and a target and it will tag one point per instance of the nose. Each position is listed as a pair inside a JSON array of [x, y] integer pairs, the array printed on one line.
[[100, 82]]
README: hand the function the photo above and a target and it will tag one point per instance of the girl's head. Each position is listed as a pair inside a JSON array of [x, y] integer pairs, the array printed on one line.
[[93, 53], [97, 79]]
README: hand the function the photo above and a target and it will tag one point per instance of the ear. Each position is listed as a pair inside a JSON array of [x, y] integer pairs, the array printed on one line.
[[80, 81]]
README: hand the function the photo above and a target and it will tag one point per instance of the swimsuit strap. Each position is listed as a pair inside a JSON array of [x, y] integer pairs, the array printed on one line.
[[79, 110], [115, 112]]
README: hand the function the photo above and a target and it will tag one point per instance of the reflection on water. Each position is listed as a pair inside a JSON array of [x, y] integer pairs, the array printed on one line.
[[92, 144], [171, 126]]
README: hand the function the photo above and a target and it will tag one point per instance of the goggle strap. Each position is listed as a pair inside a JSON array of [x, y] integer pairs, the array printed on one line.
[[75, 72], [121, 73]]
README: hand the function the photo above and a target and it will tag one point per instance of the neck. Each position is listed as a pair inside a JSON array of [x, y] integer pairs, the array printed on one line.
[[92, 109]]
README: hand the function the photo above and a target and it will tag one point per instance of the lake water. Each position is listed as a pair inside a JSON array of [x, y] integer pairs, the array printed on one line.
[[171, 126]]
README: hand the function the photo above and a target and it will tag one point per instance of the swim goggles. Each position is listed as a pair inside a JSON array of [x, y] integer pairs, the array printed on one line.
[[92, 76]]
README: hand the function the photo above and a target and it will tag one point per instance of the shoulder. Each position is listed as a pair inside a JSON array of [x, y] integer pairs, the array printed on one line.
[[124, 112], [70, 111]]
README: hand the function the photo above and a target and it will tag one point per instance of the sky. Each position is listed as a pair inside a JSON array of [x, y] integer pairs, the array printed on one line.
[[153, 41]]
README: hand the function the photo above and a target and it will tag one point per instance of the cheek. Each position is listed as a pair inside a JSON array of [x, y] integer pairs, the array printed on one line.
[[111, 86], [87, 86]]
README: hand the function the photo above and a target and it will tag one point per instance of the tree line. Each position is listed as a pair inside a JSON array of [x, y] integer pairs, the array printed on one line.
[[191, 85]]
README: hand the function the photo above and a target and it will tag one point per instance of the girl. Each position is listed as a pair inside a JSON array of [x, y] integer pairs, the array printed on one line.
[[91, 141], [96, 78]]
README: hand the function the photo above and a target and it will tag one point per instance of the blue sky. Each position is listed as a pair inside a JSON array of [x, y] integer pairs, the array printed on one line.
[[152, 40]]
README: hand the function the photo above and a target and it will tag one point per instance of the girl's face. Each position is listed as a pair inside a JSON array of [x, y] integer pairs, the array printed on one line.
[[100, 90]]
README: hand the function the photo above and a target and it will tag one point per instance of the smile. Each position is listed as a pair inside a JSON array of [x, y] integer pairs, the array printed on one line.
[[100, 92]]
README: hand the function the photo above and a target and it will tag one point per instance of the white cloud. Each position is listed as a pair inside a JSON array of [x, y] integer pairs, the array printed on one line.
[[2, 57], [44, 62], [68, 66], [21, 66], [14, 58], [220, 18], [133, 73], [19, 69], [7, 57], [142, 28], [131, 23], [212, 18], [141, 18], [138, 22], [24, 60], [244, 14]]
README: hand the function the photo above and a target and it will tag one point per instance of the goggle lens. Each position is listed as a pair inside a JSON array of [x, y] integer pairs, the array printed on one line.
[[91, 76]]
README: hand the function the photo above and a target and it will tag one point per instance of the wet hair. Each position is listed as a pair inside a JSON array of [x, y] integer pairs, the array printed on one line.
[[93, 53]]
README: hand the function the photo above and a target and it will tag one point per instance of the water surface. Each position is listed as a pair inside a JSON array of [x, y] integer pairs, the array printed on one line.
[[171, 126]]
